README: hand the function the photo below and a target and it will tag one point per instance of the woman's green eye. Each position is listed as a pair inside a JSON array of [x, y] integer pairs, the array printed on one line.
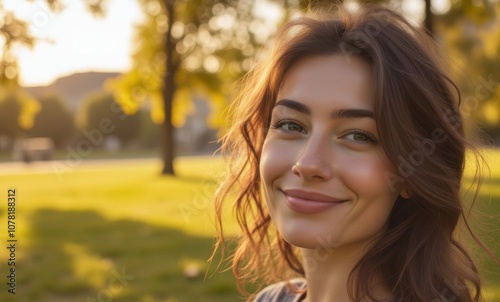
[[357, 136], [361, 137], [292, 126]]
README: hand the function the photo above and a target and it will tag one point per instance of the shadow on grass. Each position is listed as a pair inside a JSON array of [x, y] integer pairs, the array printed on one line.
[[83, 256]]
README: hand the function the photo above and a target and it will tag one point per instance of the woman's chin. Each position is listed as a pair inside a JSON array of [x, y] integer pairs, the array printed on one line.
[[308, 240]]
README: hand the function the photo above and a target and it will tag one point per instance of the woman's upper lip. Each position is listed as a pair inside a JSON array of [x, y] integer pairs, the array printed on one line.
[[311, 195]]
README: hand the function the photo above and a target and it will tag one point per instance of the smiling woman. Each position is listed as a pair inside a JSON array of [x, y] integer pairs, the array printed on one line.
[[323, 161], [347, 151]]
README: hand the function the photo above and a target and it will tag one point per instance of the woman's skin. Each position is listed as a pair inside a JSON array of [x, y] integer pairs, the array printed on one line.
[[320, 153]]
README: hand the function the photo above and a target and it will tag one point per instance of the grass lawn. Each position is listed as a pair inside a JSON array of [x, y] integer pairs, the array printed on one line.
[[117, 231]]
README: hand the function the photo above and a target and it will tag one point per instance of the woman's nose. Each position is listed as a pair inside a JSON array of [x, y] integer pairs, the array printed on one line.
[[314, 161]]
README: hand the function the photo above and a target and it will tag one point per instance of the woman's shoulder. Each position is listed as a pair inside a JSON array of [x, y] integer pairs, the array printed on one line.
[[280, 292]]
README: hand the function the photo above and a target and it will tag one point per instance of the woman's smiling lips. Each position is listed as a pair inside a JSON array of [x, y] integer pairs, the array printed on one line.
[[309, 202]]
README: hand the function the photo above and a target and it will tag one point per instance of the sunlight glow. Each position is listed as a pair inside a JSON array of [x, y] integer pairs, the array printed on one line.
[[74, 40]]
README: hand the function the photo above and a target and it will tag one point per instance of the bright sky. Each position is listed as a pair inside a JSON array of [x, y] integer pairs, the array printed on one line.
[[76, 41]]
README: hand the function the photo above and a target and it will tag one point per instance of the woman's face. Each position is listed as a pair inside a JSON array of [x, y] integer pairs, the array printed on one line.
[[323, 171]]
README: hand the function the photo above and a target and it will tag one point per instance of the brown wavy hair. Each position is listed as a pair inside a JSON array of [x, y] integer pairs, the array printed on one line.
[[417, 112]]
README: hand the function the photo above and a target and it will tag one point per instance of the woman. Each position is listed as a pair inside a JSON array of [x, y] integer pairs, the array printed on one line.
[[347, 156]]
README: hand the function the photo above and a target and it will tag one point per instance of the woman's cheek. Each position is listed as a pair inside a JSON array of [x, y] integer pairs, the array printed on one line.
[[364, 172], [276, 159]]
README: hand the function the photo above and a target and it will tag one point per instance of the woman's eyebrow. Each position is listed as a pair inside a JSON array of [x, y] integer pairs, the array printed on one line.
[[335, 114]]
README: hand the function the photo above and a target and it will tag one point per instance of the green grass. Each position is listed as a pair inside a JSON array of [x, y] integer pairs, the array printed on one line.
[[77, 230], [486, 219]]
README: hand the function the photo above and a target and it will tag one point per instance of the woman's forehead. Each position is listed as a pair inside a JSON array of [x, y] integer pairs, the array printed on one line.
[[345, 82]]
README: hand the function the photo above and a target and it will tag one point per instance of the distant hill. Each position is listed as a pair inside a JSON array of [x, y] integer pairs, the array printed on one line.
[[74, 88]]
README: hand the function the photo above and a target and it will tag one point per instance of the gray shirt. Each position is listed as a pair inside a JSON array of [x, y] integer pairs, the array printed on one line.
[[279, 292]]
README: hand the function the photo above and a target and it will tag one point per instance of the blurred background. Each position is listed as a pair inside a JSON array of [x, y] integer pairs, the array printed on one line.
[[110, 112]]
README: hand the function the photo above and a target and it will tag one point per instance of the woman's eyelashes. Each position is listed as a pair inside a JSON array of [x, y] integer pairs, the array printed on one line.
[[361, 137], [292, 126], [356, 136]]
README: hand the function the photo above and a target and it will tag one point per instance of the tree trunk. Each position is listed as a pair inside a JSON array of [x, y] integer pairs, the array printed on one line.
[[167, 130], [168, 145], [429, 18]]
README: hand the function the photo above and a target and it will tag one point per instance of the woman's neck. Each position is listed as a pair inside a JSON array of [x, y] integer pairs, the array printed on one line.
[[327, 271]]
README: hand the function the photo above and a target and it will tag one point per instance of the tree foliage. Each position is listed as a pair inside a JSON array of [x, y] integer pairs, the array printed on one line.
[[101, 112], [54, 120], [470, 34], [213, 43], [186, 48], [15, 32], [17, 110], [10, 109]]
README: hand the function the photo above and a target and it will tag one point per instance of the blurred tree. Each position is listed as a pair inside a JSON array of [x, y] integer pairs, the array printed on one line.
[[429, 17], [101, 116], [16, 113], [477, 10], [188, 47], [54, 120], [10, 110], [306, 4], [149, 133], [470, 34], [428, 22], [16, 32]]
